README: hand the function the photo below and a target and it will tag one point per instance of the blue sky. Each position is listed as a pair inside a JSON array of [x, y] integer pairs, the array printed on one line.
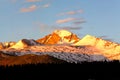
[[33, 19]]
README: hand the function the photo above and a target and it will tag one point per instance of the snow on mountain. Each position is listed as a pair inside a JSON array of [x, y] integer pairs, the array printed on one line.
[[89, 48], [107, 48], [9, 44], [24, 43], [59, 37], [6, 44], [67, 53], [62, 33]]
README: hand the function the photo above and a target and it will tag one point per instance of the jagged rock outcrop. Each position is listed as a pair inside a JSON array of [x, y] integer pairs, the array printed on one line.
[[59, 37]]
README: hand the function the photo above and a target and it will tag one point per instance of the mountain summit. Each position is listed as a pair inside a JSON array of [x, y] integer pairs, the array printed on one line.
[[59, 37], [96, 42], [107, 48]]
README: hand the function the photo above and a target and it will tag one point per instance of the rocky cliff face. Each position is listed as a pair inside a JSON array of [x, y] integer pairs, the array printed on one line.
[[59, 37]]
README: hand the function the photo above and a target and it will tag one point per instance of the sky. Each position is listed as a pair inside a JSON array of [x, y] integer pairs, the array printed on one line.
[[33, 19]]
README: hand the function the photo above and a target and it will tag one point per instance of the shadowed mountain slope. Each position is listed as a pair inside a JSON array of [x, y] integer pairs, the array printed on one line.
[[29, 59]]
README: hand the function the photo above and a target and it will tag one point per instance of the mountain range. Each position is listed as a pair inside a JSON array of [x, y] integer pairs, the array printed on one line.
[[66, 46]]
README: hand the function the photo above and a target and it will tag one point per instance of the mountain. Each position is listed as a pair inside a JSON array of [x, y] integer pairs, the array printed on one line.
[[107, 48], [29, 59], [6, 44], [24, 43], [9, 44], [1, 46], [88, 48], [59, 37]]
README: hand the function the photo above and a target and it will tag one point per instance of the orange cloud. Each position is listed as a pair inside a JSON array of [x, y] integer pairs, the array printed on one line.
[[33, 0], [65, 20], [71, 12], [29, 9]]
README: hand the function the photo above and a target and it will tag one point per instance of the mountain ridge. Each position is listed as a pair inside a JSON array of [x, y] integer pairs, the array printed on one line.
[[76, 50], [59, 37]]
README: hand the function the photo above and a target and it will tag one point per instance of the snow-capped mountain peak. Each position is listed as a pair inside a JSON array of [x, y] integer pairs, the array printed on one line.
[[59, 37], [87, 40], [62, 33], [106, 48]]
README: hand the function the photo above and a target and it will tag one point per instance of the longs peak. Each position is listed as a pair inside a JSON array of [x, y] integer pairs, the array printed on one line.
[[59, 37]]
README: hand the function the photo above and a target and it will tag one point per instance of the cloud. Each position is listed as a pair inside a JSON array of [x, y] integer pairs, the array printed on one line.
[[72, 28], [79, 22], [105, 38], [43, 27], [65, 20], [67, 27], [33, 0], [46, 5], [80, 11], [29, 9], [71, 12]]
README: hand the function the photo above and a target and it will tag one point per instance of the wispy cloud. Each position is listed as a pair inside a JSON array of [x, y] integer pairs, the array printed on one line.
[[71, 12], [80, 21], [33, 0], [72, 28], [67, 27], [80, 11], [46, 5], [103, 37], [43, 27], [106, 38], [65, 20], [29, 9]]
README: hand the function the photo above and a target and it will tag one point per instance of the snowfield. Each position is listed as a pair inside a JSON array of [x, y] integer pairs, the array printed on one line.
[[72, 54]]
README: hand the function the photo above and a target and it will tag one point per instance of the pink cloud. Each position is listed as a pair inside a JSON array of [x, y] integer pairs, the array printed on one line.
[[33, 0], [72, 12], [80, 11], [29, 9], [65, 20], [46, 5]]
